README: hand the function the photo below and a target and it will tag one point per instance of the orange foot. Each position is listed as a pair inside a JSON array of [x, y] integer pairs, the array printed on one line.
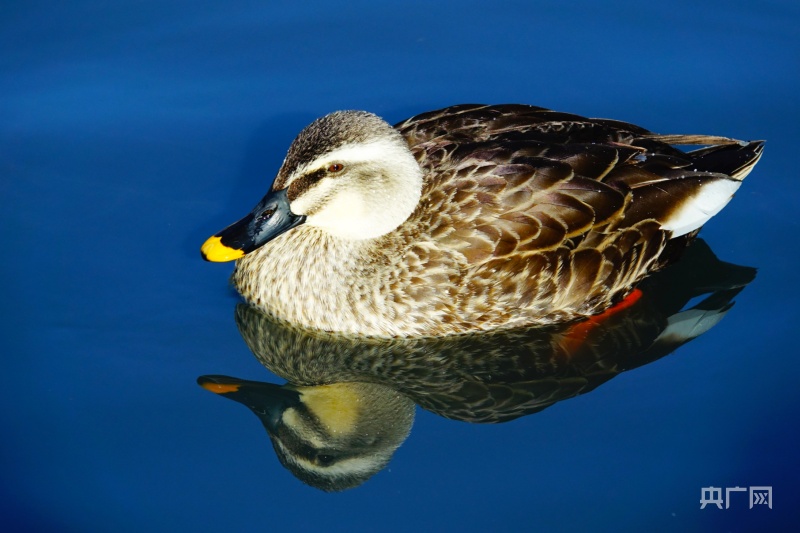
[[575, 336]]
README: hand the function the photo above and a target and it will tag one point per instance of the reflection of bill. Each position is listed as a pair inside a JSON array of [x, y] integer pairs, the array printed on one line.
[[713, 496], [349, 401]]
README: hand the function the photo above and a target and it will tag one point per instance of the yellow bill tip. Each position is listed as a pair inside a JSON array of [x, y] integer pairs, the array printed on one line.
[[220, 388], [214, 250]]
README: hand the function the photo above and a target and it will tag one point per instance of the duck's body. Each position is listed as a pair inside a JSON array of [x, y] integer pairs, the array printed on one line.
[[477, 218]]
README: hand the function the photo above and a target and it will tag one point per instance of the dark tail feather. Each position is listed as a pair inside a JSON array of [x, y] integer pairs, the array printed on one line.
[[735, 160]]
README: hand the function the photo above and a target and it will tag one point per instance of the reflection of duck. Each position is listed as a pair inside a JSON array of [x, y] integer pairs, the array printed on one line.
[[331, 436], [488, 377], [471, 218]]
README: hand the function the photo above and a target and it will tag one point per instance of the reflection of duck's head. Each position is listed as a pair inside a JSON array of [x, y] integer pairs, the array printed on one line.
[[332, 437]]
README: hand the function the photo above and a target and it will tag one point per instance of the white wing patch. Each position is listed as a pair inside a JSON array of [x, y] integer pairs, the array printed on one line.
[[687, 325], [697, 210]]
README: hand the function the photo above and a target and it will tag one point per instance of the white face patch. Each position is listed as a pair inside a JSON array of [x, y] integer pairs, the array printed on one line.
[[293, 421], [696, 211], [378, 150], [377, 189], [358, 465], [352, 465]]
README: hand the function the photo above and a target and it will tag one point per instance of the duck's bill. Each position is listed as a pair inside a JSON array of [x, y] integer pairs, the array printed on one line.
[[270, 218], [267, 400]]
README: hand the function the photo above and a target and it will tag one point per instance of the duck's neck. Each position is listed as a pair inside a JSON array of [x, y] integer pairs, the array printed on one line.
[[307, 277]]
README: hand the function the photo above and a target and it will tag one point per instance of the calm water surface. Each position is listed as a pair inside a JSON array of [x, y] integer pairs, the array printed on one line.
[[128, 134]]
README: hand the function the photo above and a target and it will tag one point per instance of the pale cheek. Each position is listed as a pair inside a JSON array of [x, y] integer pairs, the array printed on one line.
[[343, 214], [311, 201], [348, 206]]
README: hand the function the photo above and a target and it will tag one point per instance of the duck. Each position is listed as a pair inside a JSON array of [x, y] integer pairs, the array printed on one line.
[[472, 218]]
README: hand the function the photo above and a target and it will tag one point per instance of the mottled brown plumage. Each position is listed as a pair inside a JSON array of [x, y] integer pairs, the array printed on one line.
[[525, 216]]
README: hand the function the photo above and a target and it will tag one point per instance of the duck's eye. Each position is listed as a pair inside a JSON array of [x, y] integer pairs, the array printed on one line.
[[336, 167], [325, 459]]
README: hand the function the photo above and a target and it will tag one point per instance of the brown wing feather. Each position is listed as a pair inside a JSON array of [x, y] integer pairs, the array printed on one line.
[[477, 122], [549, 214], [490, 202]]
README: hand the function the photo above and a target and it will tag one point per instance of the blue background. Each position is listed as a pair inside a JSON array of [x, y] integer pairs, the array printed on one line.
[[131, 131]]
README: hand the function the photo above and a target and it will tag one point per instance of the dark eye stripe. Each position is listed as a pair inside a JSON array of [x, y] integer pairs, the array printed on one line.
[[303, 183]]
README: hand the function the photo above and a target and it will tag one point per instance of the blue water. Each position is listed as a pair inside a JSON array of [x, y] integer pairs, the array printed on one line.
[[130, 131]]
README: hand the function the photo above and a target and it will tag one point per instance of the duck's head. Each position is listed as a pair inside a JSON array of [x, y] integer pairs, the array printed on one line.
[[349, 174], [333, 437]]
